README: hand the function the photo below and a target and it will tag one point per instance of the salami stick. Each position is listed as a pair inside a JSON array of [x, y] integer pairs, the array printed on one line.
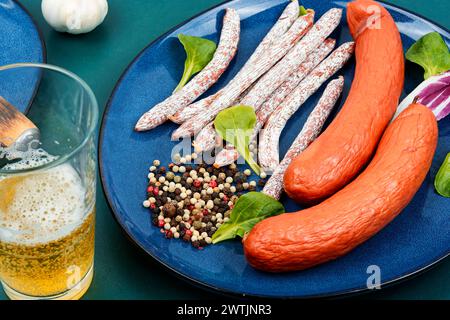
[[226, 156], [246, 77], [191, 110], [309, 132], [199, 106], [280, 72], [225, 52], [229, 155], [283, 23], [206, 139], [292, 82], [268, 146]]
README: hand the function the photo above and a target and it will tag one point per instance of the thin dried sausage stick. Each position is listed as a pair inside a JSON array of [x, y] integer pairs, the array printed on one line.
[[229, 155], [206, 139], [291, 83], [283, 23], [282, 70], [268, 146], [225, 52], [309, 132], [244, 79], [191, 110], [226, 156]]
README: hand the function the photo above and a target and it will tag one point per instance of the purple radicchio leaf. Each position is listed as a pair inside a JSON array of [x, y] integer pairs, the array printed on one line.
[[433, 93]]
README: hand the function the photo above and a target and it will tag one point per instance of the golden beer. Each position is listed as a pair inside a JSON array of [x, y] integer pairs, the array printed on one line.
[[46, 234]]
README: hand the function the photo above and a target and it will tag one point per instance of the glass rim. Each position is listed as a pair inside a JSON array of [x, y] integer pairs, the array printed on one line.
[[92, 125]]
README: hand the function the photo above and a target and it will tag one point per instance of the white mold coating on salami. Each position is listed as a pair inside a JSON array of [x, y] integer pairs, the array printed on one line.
[[225, 52], [191, 110], [268, 146], [264, 112], [283, 23], [283, 69], [309, 132], [246, 77], [206, 139], [226, 156], [292, 82]]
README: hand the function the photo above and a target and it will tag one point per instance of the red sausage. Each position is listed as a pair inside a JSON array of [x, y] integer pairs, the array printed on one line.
[[343, 149], [296, 241]]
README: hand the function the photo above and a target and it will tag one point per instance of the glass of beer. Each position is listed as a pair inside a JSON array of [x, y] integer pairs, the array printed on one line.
[[47, 190]]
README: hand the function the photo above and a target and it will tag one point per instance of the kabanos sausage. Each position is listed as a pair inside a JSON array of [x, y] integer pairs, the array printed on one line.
[[225, 52], [284, 22], [296, 241], [269, 139], [342, 150], [263, 112], [309, 132]]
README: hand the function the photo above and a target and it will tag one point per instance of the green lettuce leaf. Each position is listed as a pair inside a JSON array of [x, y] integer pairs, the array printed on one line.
[[303, 11], [431, 53], [442, 180], [199, 53], [235, 125], [250, 209]]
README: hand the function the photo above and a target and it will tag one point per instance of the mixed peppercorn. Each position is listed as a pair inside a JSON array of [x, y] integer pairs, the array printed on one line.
[[191, 202]]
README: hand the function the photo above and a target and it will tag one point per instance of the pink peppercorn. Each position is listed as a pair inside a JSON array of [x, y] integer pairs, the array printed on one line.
[[213, 184], [155, 191], [197, 183], [189, 232], [150, 189], [161, 223]]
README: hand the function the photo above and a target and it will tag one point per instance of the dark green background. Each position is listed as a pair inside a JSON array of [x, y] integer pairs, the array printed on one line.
[[122, 271]]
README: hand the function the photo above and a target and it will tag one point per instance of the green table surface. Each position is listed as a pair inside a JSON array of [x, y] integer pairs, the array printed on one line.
[[121, 270]]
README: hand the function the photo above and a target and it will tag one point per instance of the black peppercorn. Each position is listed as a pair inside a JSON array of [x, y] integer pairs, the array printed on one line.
[[169, 210]]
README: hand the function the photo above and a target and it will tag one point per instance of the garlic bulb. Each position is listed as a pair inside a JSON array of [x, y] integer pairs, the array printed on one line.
[[74, 16]]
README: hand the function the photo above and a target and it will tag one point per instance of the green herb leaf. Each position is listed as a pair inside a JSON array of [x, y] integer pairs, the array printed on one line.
[[199, 53], [303, 11], [235, 125], [442, 180], [431, 53], [250, 209]]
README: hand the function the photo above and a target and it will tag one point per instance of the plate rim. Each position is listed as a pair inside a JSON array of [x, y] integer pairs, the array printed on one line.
[[43, 47], [204, 285]]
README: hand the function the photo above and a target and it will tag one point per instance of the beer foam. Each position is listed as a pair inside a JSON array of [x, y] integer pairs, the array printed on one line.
[[32, 158], [42, 206]]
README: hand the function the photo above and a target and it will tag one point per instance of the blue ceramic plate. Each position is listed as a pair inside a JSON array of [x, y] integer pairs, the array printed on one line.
[[20, 41], [417, 239]]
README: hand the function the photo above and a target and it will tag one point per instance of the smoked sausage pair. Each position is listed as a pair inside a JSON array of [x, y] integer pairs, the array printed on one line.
[[354, 213], [296, 241]]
